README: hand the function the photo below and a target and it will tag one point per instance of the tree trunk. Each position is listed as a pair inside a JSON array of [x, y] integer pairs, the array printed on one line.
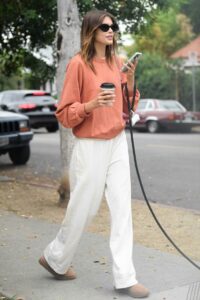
[[68, 43]]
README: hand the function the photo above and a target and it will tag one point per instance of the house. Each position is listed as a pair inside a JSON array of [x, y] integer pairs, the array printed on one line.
[[190, 53]]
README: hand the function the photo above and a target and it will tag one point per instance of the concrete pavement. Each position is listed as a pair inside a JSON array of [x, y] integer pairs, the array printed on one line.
[[22, 240]]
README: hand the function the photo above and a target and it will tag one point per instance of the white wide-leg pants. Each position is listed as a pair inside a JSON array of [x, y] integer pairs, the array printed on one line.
[[97, 165]]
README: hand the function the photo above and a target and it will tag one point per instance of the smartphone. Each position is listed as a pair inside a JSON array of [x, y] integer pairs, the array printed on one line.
[[135, 56]]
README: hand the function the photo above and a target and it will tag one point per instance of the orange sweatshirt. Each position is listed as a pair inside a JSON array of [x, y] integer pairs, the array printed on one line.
[[82, 85]]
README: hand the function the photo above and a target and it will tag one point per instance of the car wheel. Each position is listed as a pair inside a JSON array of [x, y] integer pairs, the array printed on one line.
[[152, 126], [20, 156], [52, 128]]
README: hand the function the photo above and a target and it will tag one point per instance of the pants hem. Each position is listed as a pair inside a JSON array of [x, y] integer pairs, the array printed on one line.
[[53, 266], [125, 283]]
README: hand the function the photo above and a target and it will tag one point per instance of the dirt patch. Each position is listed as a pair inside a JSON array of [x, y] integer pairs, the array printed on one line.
[[39, 200]]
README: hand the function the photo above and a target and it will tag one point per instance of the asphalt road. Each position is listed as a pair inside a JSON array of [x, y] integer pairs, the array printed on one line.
[[169, 165]]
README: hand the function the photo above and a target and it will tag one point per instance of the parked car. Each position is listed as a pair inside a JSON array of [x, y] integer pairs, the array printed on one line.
[[158, 115], [15, 136], [39, 106]]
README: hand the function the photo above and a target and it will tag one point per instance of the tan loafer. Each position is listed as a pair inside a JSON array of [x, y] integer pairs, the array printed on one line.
[[135, 291], [69, 275]]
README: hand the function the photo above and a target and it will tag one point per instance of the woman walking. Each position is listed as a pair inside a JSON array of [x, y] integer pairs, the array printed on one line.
[[100, 156]]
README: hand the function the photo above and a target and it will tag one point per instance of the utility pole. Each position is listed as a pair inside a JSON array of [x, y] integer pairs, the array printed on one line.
[[193, 89], [192, 63]]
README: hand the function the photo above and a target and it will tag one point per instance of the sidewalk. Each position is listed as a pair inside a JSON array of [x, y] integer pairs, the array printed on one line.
[[22, 240]]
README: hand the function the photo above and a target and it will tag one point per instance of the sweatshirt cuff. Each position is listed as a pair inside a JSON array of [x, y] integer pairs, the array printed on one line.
[[81, 111]]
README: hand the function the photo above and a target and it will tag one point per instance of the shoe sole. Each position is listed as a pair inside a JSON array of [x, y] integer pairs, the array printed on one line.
[[135, 295], [42, 261]]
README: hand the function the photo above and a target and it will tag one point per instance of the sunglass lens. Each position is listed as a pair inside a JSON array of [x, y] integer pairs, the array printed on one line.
[[114, 27], [104, 27]]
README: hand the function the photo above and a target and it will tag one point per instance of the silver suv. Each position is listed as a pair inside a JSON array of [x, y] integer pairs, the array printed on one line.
[[38, 105]]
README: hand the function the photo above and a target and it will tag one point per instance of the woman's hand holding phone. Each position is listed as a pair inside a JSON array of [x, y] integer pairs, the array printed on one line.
[[129, 68], [131, 61]]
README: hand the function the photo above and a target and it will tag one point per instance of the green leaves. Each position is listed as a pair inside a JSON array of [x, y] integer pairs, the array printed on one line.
[[27, 23], [168, 30], [24, 24], [10, 61], [192, 8], [131, 12], [155, 79], [167, 33]]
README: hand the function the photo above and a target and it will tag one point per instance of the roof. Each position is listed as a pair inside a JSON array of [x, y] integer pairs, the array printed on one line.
[[186, 51]]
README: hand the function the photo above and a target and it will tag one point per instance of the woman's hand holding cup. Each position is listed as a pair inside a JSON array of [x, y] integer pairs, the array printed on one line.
[[107, 94], [105, 97]]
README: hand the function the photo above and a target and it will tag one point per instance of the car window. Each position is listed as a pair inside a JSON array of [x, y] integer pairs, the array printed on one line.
[[11, 97], [1, 98], [150, 105], [39, 99], [171, 105], [142, 105]]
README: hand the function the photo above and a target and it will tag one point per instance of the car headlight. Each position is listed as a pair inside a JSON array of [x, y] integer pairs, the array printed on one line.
[[24, 126]]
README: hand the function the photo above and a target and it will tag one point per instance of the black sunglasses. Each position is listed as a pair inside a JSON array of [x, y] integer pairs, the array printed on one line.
[[106, 27]]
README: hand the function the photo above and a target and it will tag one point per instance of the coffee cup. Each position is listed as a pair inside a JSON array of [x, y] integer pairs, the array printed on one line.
[[108, 86]]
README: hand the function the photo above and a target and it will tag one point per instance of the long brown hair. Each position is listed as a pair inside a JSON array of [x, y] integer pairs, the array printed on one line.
[[89, 26]]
